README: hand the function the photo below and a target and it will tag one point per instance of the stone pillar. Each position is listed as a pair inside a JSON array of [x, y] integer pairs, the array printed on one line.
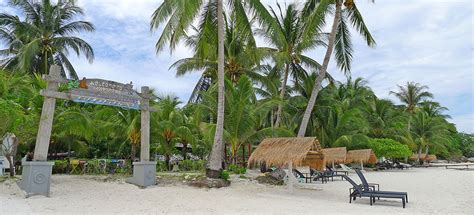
[[144, 172], [36, 174], [145, 126]]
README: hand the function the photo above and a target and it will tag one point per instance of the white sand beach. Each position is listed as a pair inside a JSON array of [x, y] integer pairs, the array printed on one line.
[[431, 191]]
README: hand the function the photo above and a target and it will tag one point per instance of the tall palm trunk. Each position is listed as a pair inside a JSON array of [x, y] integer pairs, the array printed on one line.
[[322, 73], [184, 151], [419, 154], [11, 156], [282, 95], [214, 165], [132, 153]]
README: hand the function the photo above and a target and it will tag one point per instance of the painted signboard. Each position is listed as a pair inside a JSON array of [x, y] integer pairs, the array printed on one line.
[[104, 92]]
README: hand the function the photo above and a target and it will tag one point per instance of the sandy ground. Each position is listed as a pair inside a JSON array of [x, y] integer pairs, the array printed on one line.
[[431, 191]]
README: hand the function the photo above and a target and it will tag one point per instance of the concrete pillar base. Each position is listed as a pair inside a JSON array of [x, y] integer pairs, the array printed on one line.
[[144, 173], [36, 178]]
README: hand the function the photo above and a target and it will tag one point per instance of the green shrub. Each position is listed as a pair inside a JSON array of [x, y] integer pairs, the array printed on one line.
[[161, 166], [225, 175], [389, 148], [60, 167], [237, 169], [191, 165]]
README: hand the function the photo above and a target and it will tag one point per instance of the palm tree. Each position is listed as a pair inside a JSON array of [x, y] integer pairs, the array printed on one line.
[[180, 14], [339, 40], [72, 125], [427, 131], [412, 95], [243, 114], [381, 117], [169, 128], [44, 37], [241, 57], [434, 109], [288, 36]]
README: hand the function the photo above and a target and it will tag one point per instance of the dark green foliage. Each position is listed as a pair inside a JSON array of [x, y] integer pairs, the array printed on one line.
[[237, 169], [161, 166], [191, 165], [225, 175], [466, 144], [60, 167]]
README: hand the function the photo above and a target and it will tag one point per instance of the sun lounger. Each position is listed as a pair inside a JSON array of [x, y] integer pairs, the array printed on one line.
[[370, 186], [336, 173], [358, 190], [346, 168]]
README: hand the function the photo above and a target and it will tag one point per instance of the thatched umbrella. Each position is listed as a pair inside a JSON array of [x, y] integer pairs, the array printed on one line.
[[415, 157], [335, 155], [362, 156], [430, 158], [288, 151]]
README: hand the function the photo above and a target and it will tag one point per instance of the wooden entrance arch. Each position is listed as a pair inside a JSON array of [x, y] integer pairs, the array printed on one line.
[[37, 173]]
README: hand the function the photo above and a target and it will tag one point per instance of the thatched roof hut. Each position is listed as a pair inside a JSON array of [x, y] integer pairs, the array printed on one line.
[[281, 151], [335, 155], [361, 155], [431, 158], [415, 156]]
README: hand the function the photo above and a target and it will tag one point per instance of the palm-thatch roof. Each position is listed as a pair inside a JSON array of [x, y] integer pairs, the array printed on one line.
[[280, 151], [431, 158], [336, 155], [361, 155], [415, 156]]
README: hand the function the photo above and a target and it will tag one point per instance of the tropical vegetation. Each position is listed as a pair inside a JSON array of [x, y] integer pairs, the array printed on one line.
[[246, 92]]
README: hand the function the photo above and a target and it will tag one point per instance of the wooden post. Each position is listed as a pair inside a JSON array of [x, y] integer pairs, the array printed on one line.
[[290, 177], [47, 115], [145, 125]]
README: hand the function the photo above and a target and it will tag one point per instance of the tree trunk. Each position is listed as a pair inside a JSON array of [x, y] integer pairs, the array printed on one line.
[[322, 73], [427, 149], [167, 160], [185, 148], [282, 95], [214, 165], [132, 154], [419, 154], [11, 156]]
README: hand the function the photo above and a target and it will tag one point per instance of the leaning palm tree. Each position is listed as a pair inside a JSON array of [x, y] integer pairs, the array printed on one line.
[[339, 40], [45, 36], [179, 15], [288, 37]]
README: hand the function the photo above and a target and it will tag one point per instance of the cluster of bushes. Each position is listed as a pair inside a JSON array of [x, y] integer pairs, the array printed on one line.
[[237, 169], [60, 167], [93, 167], [389, 148], [184, 165]]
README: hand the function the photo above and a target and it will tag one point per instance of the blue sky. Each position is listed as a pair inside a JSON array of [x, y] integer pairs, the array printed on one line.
[[427, 41]]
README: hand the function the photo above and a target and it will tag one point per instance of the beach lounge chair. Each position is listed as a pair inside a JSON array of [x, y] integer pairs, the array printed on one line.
[[346, 168], [305, 176], [324, 176], [336, 173], [371, 186], [358, 190]]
